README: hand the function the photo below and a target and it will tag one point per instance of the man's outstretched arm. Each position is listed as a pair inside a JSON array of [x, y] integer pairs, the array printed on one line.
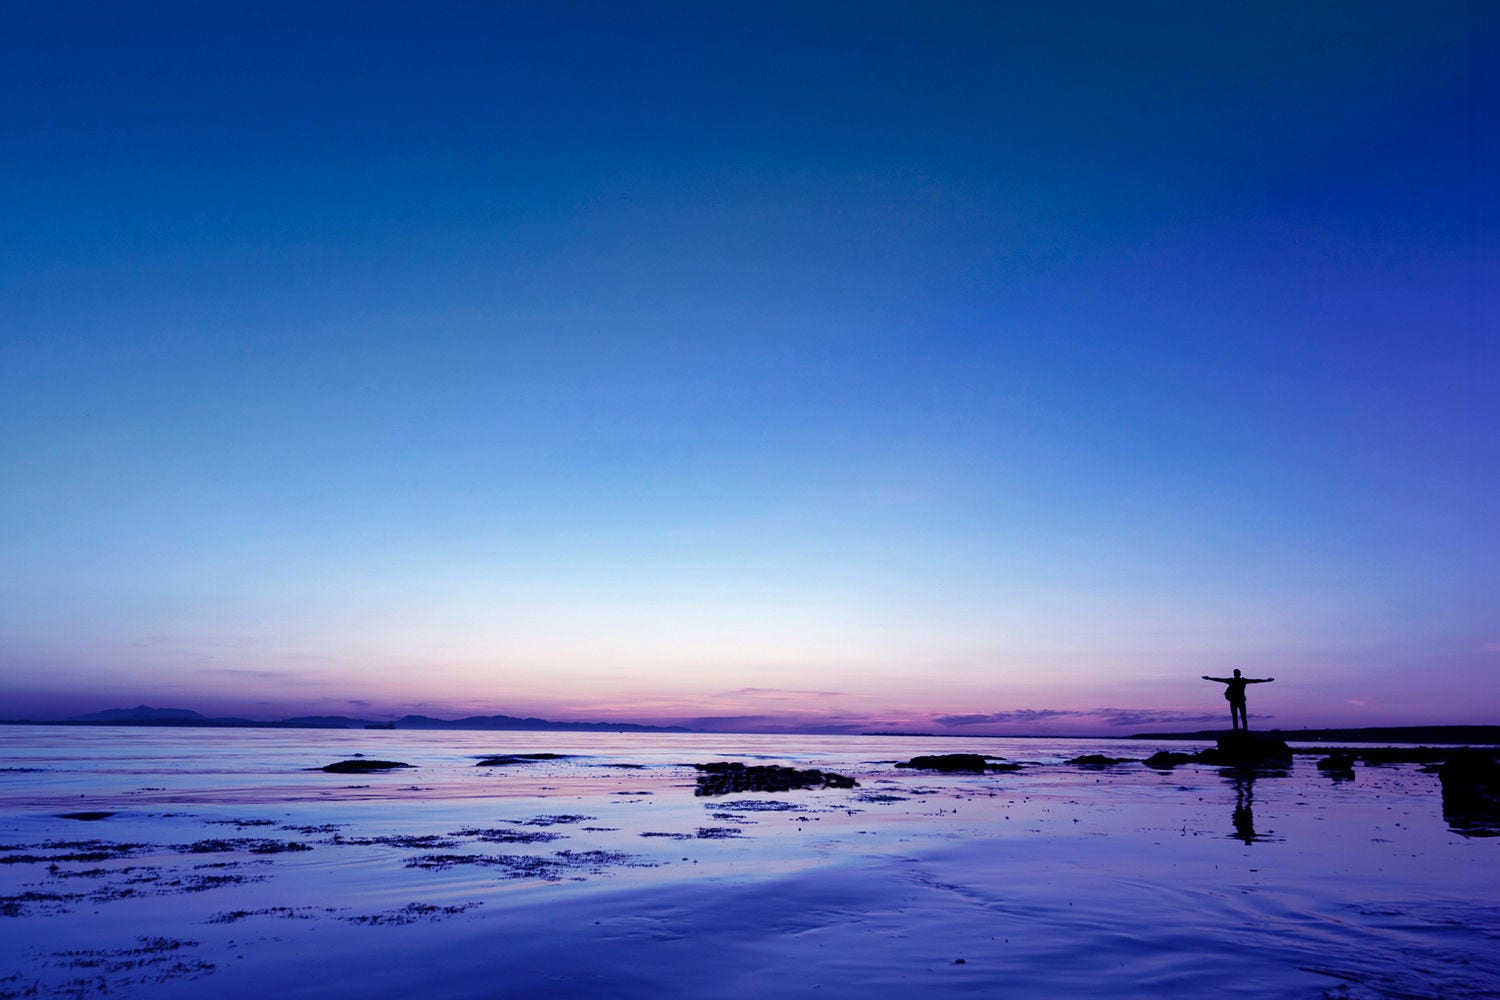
[[1221, 680]]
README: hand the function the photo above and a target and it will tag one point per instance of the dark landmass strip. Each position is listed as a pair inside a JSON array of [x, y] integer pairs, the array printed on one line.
[[144, 715], [511, 722], [1453, 735]]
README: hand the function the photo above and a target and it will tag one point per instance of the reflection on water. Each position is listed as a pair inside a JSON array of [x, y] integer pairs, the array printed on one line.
[[1244, 809], [1243, 817], [1338, 766], [1471, 793]]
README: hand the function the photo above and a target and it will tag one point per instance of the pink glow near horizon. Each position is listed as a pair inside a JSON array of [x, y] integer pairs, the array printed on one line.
[[1112, 705]]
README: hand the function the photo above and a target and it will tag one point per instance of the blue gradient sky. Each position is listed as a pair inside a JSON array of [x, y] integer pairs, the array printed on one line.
[[956, 367]]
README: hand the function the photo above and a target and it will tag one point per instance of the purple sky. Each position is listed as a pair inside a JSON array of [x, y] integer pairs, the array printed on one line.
[[956, 367]]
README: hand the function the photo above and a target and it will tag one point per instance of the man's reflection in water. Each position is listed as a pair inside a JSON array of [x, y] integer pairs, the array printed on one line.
[[1244, 802], [1242, 780]]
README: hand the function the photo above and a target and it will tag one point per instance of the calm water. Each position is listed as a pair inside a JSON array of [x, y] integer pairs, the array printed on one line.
[[1054, 880]]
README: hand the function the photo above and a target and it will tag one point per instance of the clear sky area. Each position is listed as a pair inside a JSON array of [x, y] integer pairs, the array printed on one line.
[[944, 367]]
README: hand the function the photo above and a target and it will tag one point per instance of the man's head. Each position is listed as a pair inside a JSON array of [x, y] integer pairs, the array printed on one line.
[[1236, 671]]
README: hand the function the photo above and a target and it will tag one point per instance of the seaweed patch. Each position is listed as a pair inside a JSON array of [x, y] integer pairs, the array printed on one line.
[[251, 845], [410, 914], [497, 835], [546, 868], [153, 960], [281, 912], [557, 819]]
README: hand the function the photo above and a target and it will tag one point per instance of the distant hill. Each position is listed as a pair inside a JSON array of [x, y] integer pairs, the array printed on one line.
[[144, 715], [492, 722], [1369, 734], [141, 713]]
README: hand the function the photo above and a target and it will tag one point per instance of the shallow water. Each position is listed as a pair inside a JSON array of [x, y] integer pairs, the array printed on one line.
[[231, 864]]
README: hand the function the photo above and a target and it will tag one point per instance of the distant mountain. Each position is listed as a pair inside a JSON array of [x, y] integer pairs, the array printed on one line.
[[141, 713], [511, 722], [144, 715]]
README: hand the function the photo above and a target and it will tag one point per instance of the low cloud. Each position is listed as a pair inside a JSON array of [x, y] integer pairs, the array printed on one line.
[[831, 725], [724, 721], [258, 675], [779, 693], [1019, 715], [1153, 717]]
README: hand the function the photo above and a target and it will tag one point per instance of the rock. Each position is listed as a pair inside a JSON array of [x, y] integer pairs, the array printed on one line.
[[503, 760], [362, 766], [726, 777], [1165, 760], [1248, 750], [965, 763], [1471, 793], [1337, 765], [1098, 760], [1376, 756]]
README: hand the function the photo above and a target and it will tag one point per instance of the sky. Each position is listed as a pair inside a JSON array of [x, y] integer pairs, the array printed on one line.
[[943, 367]]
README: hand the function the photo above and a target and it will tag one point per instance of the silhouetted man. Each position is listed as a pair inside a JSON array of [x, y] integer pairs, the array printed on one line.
[[1234, 693]]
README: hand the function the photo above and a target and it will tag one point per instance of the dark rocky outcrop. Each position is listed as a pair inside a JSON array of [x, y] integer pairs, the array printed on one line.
[[1376, 756], [1471, 793], [959, 763], [1165, 760], [1248, 750], [503, 760], [1337, 765], [363, 766], [1099, 760], [726, 777]]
